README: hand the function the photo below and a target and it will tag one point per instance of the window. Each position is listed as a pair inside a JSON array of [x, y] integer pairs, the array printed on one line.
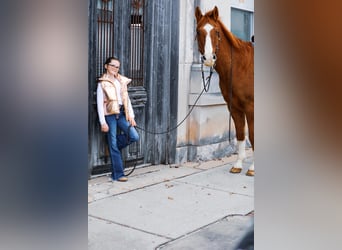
[[242, 23], [105, 36], [137, 39]]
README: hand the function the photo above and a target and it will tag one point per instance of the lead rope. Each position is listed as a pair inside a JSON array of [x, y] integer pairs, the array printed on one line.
[[206, 85]]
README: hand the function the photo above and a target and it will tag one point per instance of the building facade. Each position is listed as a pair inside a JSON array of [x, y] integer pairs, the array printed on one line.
[[155, 41]]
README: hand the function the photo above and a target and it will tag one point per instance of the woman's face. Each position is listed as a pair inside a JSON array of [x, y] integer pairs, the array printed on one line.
[[113, 67]]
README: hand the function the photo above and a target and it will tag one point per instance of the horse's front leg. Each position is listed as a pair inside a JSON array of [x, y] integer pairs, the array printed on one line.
[[241, 150], [239, 121]]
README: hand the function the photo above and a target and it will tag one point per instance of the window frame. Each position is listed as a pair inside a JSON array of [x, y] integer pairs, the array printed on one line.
[[251, 22]]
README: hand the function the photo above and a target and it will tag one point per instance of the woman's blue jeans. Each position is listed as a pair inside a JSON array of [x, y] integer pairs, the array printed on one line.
[[116, 142]]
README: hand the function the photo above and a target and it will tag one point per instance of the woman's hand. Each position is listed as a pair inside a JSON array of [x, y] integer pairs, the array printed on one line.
[[132, 121], [104, 127]]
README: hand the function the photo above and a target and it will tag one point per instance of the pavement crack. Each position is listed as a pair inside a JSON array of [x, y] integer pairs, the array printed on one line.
[[212, 188], [130, 227], [143, 187], [251, 213]]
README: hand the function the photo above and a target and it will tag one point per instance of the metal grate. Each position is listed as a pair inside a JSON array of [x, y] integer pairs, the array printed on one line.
[[105, 33], [137, 43], [105, 38]]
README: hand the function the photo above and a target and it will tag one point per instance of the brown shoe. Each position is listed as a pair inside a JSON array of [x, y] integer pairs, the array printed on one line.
[[123, 179]]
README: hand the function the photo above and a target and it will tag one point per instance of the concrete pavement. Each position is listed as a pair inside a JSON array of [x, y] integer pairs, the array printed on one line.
[[196, 205]]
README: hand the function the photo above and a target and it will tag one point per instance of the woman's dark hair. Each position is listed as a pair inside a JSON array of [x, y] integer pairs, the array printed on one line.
[[109, 59]]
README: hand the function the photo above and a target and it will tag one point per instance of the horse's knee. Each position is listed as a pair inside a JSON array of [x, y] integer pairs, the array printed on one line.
[[239, 121], [240, 133]]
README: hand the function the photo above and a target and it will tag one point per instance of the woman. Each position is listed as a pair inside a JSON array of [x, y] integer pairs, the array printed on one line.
[[115, 110]]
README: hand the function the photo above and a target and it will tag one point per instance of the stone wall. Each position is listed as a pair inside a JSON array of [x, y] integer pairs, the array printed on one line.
[[205, 134]]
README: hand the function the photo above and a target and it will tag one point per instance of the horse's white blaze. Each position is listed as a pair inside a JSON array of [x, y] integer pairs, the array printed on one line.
[[208, 48]]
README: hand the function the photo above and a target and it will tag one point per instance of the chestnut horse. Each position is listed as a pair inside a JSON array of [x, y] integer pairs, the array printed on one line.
[[233, 60]]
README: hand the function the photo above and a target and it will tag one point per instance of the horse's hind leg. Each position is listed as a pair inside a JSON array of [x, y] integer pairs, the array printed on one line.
[[250, 121], [239, 121]]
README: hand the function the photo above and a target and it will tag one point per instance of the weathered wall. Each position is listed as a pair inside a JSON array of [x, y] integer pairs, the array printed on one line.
[[161, 74]]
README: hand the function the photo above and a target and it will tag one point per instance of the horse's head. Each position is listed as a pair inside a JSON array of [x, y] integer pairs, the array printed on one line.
[[208, 35]]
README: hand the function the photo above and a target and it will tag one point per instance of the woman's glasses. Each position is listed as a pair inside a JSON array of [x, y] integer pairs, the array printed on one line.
[[115, 66]]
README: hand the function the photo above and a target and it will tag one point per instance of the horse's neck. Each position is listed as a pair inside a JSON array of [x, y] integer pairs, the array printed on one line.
[[224, 59], [229, 52], [233, 40]]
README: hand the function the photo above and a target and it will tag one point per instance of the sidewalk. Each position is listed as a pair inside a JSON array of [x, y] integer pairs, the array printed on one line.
[[191, 206]]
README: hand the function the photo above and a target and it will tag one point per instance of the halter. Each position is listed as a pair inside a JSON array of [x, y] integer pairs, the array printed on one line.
[[206, 84]]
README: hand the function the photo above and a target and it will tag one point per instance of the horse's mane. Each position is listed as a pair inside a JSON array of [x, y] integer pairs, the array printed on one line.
[[235, 41]]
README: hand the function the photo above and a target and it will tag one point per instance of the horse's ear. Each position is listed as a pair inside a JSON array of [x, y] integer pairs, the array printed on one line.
[[198, 14], [215, 13]]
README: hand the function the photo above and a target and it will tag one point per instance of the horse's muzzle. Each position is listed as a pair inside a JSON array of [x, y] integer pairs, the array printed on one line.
[[209, 62]]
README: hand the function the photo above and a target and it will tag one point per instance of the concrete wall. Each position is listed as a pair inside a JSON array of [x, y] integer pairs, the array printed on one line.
[[204, 135]]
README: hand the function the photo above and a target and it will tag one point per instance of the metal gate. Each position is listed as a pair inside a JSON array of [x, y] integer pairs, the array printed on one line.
[[105, 28]]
